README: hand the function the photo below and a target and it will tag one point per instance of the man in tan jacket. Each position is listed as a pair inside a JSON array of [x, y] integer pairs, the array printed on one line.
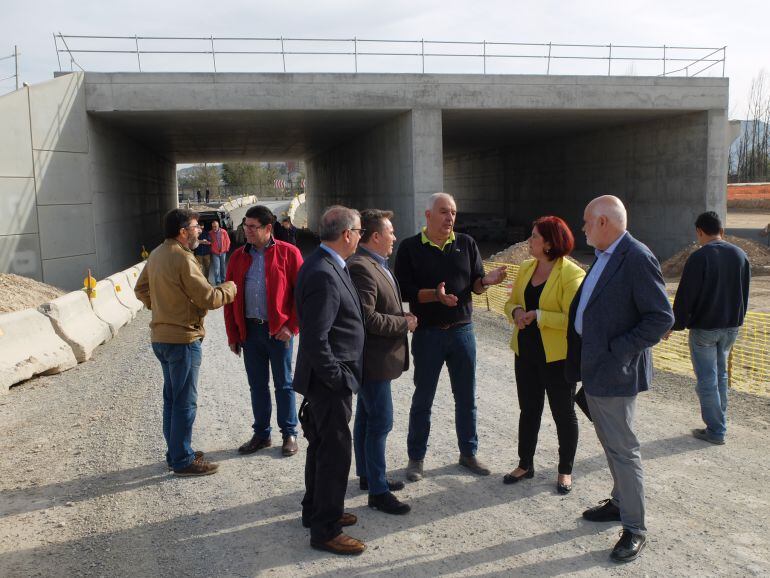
[[173, 287]]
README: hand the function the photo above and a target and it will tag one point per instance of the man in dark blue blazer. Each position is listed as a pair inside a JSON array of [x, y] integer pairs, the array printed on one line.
[[328, 372], [620, 311]]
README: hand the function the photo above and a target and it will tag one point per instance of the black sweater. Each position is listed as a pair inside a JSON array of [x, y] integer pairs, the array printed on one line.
[[714, 290], [423, 266]]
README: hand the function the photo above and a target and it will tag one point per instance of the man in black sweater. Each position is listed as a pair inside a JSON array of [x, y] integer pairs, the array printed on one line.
[[711, 302], [438, 270]]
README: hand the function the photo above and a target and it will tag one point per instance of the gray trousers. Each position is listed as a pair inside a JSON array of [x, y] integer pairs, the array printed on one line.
[[614, 421]]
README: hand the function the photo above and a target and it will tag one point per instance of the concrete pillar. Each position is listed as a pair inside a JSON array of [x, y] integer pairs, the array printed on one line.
[[394, 166]]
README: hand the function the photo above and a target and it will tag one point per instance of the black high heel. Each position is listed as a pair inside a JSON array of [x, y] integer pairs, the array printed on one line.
[[563, 489], [511, 479]]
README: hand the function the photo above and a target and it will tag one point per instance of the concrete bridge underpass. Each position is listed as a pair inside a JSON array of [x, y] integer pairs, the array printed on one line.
[[88, 160]]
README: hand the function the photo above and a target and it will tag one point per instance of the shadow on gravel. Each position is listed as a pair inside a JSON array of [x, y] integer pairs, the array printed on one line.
[[242, 539], [33, 498]]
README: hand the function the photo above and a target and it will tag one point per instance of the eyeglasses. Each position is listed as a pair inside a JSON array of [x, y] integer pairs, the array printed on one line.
[[359, 231], [254, 227], [194, 227]]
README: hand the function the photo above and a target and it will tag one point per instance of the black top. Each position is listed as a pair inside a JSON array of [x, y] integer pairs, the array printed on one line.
[[423, 266], [530, 340], [714, 290]]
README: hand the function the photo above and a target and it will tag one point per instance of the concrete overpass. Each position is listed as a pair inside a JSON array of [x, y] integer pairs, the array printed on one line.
[[87, 160]]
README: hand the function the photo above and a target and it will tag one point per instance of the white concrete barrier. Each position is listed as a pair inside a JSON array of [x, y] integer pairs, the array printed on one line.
[[29, 346], [125, 292], [108, 308], [132, 273], [76, 323]]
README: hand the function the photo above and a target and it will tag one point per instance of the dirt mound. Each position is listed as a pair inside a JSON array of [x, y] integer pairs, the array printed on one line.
[[18, 293], [759, 257], [519, 252]]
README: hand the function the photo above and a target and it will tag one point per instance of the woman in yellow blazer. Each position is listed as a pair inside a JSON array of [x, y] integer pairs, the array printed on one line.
[[539, 309]]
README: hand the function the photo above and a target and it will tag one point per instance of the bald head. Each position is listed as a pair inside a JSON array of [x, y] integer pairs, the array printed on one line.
[[605, 219]]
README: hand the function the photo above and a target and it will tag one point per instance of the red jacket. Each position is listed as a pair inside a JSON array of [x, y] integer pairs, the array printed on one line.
[[282, 263], [220, 241]]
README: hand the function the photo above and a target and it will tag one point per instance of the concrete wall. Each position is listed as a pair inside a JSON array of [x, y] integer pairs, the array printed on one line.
[[666, 171], [19, 237], [133, 187], [395, 166], [657, 168], [66, 186]]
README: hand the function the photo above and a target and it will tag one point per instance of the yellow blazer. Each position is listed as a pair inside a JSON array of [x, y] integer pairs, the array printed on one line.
[[557, 295]]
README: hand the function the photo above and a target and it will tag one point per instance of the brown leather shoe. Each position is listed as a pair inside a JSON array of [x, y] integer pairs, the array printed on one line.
[[198, 456], [342, 544], [347, 519], [256, 443], [198, 468], [289, 447]]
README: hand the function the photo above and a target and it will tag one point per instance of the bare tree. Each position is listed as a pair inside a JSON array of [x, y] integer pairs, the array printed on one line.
[[752, 162]]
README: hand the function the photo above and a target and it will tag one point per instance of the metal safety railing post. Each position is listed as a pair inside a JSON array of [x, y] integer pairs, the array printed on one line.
[[213, 54], [422, 44], [355, 54], [664, 60], [609, 62], [138, 58], [283, 54], [484, 59], [548, 66]]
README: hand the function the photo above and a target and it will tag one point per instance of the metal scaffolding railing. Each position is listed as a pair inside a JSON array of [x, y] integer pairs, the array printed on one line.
[[15, 58], [153, 53]]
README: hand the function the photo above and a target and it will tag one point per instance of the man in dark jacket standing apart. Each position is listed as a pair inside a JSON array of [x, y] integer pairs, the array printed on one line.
[[386, 356], [328, 372], [711, 301], [620, 311], [263, 322]]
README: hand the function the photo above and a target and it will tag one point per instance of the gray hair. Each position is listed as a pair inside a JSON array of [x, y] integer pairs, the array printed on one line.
[[435, 197], [335, 221], [611, 207]]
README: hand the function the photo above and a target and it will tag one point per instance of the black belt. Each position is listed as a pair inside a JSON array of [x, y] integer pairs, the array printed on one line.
[[255, 320], [451, 325]]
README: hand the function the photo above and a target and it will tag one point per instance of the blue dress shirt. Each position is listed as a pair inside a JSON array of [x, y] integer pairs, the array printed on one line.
[[255, 296], [381, 261], [602, 258]]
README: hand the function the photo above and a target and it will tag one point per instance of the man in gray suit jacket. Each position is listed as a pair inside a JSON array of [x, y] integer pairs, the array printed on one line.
[[619, 313], [386, 356], [328, 373]]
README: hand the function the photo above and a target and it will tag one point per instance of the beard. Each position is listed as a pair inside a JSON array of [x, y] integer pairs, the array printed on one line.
[[194, 245]]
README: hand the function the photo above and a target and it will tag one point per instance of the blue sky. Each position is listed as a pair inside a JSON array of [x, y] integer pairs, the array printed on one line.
[[738, 24]]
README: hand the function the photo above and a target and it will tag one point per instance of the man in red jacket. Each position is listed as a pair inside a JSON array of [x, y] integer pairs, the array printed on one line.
[[262, 321]]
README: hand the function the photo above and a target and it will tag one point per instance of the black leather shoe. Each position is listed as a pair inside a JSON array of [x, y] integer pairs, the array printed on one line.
[[388, 503], [255, 444], [606, 511], [511, 479], [563, 489], [628, 547], [363, 483]]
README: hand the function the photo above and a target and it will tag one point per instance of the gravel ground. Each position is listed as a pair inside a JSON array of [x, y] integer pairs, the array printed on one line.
[[84, 489]]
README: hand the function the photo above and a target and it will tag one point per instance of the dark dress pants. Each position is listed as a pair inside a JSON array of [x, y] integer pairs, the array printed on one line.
[[534, 380], [325, 421]]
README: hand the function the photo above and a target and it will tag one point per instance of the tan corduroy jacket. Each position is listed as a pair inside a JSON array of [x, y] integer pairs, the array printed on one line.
[[173, 287]]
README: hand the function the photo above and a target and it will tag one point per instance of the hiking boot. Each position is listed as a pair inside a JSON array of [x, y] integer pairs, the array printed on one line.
[[414, 471]]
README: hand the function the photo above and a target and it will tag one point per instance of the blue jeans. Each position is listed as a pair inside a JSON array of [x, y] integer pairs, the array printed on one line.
[[180, 363], [261, 353], [218, 267], [431, 348], [374, 420], [709, 349]]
